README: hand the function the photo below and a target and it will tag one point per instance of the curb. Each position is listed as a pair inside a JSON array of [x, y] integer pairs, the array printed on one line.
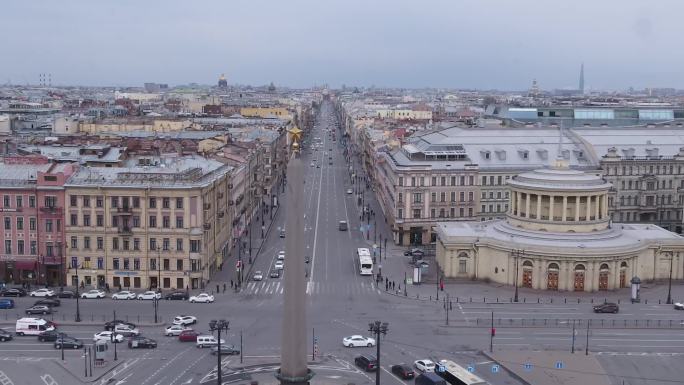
[[94, 379], [511, 373]]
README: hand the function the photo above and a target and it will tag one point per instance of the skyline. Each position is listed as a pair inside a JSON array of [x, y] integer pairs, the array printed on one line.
[[442, 44]]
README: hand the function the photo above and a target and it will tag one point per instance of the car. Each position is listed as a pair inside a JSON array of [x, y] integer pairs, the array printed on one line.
[[202, 297], [317, 166], [350, 191], [279, 265], [107, 337], [43, 293], [342, 226], [424, 365], [207, 340], [149, 295], [281, 255], [109, 325], [126, 330], [93, 294], [282, 232], [125, 294], [367, 363], [49, 335], [6, 303], [607, 307], [39, 309], [313, 164], [141, 342], [275, 273], [226, 350], [679, 306], [184, 320], [5, 335], [330, 163], [404, 371], [175, 330], [66, 294], [177, 296], [68, 342], [53, 302], [358, 340], [414, 253], [14, 292], [188, 336], [258, 275]]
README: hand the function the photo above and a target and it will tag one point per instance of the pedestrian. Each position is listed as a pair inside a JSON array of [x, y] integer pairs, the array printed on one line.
[[231, 283], [386, 284], [386, 280], [217, 289], [224, 287]]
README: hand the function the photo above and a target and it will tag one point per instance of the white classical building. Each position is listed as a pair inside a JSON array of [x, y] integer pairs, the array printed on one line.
[[558, 236]]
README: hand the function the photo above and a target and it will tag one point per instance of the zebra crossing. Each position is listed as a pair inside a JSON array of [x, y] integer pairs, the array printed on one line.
[[276, 287]]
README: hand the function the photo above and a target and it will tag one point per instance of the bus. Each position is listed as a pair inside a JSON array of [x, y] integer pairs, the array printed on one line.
[[455, 374], [365, 260]]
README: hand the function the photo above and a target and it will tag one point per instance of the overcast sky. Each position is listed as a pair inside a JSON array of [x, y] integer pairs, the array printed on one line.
[[483, 44]]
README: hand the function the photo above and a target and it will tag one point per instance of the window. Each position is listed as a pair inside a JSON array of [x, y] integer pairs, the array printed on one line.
[[195, 246], [417, 197], [401, 181], [32, 224], [48, 225], [32, 201], [86, 220], [400, 214], [8, 223], [453, 212], [8, 246], [100, 263], [416, 213], [125, 202], [74, 242], [99, 202], [34, 247], [462, 266], [99, 219], [136, 202], [153, 264], [73, 219], [167, 264], [86, 243], [499, 180], [484, 180], [422, 181], [470, 196], [453, 181], [461, 196], [165, 244], [153, 221], [461, 212], [136, 244], [432, 213], [401, 196], [453, 196], [491, 195], [434, 181], [100, 243], [153, 244], [136, 221], [20, 247], [74, 262], [443, 181], [115, 202], [50, 201], [483, 195], [483, 209], [20, 223], [115, 263], [166, 222], [6, 201], [179, 222], [20, 201], [470, 211], [153, 203], [72, 201], [115, 243], [441, 213], [471, 180], [115, 221], [179, 203], [433, 197], [179, 244], [126, 264], [462, 180], [442, 196], [166, 203], [136, 264], [413, 181], [126, 244], [86, 201], [179, 264]]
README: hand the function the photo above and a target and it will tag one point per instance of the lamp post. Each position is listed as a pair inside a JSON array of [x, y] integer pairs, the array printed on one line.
[[78, 296], [377, 328], [517, 252], [114, 342], [669, 283], [218, 326]]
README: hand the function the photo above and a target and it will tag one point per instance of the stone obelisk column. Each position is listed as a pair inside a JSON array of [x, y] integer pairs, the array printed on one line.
[[293, 363]]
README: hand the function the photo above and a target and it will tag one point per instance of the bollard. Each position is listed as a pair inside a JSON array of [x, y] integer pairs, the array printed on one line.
[[592, 300], [471, 299], [551, 300], [477, 321], [601, 322], [646, 302], [545, 321], [430, 298], [566, 300], [456, 299], [578, 300], [618, 301], [537, 299], [484, 299], [497, 299], [524, 299], [658, 302]]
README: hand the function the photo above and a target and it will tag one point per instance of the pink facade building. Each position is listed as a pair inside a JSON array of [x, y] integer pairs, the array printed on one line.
[[32, 212]]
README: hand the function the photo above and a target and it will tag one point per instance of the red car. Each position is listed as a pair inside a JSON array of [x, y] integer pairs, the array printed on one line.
[[188, 336]]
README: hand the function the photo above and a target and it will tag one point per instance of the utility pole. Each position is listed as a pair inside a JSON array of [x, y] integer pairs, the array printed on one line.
[[586, 350], [669, 283], [491, 335]]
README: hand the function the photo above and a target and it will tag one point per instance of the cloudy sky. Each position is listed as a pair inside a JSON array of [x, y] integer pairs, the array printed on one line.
[[483, 44]]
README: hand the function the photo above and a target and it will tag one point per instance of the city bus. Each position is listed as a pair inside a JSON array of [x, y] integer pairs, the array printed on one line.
[[455, 374], [365, 260]]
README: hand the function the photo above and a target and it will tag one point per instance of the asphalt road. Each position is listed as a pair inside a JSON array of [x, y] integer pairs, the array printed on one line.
[[342, 303]]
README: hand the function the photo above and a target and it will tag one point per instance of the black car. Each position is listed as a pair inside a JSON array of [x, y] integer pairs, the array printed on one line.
[[49, 335], [48, 302], [606, 308], [66, 294], [68, 343], [367, 363], [141, 342], [414, 253], [404, 371], [109, 326], [14, 292], [39, 309], [275, 273], [5, 335], [177, 295], [226, 350]]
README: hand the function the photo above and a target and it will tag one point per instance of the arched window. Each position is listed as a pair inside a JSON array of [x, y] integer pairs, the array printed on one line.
[[553, 266], [527, 264], [579, 267], [604, 267]]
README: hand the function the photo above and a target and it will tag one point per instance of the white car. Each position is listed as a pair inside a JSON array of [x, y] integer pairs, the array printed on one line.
[[107, 336], [126, 330], [281, 255], [149, 295], [424, 365], [202, 297], [175, 330], [124, 295], [93, 294], [184, 320], [350, 191], [679, 306], [43, 293], [258, 276], [357, 340], [279, 265]]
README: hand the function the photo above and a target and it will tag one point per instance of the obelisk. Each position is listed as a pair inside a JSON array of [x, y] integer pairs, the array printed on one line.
[[293, 363]]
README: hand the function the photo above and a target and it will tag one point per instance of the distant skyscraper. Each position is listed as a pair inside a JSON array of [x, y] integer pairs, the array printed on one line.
[[581, 79]]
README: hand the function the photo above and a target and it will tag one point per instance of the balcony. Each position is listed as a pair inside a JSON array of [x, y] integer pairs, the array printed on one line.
[[125, 230], [51, 210], [125, 210]]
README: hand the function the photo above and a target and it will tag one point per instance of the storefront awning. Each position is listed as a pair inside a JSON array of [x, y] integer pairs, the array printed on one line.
[[24, 265]]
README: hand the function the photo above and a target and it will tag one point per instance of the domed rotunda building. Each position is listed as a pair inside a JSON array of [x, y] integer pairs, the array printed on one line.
[[558, 235]]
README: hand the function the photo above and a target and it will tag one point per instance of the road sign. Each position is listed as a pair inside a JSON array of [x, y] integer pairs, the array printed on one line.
[[471, 368], [440, 368], [559, 365], [495, 368], [527, 366]]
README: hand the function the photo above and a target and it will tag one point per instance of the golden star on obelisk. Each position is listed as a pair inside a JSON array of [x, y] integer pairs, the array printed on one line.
[[295, 137]]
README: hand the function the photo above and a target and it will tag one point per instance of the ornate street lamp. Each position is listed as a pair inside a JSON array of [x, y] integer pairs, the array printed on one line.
[[218, 326], [378, 328]]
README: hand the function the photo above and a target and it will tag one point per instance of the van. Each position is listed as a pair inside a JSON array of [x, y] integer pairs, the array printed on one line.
[[430, 379], [6, 303], [32, 326], [207, 341], [343, 226]]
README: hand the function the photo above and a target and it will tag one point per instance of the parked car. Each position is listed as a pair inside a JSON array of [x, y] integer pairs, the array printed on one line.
[[279, 265], [275, 273], [414, 253], [175, 330], [107, 336], [207, 340], [226, 350], [49, 335], [125, 294], [281, 255], [185, 320], [177, 296], [343, 226], [149, 295], [258, 276], [109, 325], [43, 293], [68, 342], [424, 365], [430, 379], [126, 330], [14, 292], [357, 340], [679, 306], [282, 232], [350, 191], [608, 307], [66, 294], [53, 302], [367, 363], [202, 297], [6, 303], [38, 309], [5, 335], [141, 342], [188, 336], [93, 294], [404, 371]]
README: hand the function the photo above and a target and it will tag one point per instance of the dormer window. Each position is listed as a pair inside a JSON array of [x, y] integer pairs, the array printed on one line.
[[524, 154], [486, 155]]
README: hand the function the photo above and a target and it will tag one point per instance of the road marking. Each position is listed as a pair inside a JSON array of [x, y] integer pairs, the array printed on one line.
[[4, 380], [318, 212], [48, 380]]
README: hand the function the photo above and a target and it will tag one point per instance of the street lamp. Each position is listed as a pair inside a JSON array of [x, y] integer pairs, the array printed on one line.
[[78, 307], [218, 326], [377, 328], [669, 284], [517, 253], [114, 342]]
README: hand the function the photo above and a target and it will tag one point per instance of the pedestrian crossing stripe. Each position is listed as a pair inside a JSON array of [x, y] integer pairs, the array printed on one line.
[[312, 288]]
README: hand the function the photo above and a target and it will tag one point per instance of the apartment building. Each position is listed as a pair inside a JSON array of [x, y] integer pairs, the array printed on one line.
[[160, 222]]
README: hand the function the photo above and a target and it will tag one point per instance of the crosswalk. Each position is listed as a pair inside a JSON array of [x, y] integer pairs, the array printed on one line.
[[276, 287]]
